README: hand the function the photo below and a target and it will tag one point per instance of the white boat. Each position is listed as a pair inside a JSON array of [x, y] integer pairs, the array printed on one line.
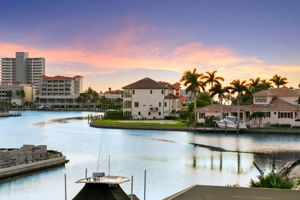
[[231, 122]]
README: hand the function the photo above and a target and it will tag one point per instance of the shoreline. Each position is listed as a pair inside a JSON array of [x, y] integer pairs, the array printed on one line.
[[290, 131], [23, 169]]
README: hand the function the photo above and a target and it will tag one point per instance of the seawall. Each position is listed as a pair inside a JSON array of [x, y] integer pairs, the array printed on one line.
[[286, 131], [31, 167]]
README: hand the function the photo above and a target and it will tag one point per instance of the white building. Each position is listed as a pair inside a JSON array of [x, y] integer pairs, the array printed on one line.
[[17, 93], [278, 104], [22, 69], [148, 99], [59, 90]]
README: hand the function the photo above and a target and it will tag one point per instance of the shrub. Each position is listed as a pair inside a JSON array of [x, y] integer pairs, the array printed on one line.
[[210, 121], [171, 117], [271, 181], [183, 114], [200, 124], [281, 125], [116, 115]]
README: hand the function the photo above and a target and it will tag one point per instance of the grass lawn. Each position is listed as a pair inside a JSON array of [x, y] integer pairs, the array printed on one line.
[[119, 122]]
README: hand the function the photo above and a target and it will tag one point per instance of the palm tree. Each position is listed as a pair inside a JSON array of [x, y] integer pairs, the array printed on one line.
[[278, 80], [221, 92], [192, 81], [254, 84], [211, 78], [265, 84], [238, 87]]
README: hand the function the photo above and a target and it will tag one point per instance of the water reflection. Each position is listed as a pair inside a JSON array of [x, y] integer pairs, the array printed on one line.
[[174, 160]]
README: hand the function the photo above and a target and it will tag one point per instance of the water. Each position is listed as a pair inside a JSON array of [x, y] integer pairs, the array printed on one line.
[[172, 162]]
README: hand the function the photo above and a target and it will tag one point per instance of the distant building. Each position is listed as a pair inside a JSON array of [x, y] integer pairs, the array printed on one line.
[[17, 93], [59, 90], [186, 95], [278, 104], [112, 94], [149, 99], [26, 154], [22, 69]]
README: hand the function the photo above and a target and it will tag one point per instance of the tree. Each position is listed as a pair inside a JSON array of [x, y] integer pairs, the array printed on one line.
[[238, 87], [258, 116], [265, 84], [192, 81], [211, 78], [298, 101], [22, 93], [254, 84], [271, 180], [221, 93], [18, 92], [9, 94], [278, 80]]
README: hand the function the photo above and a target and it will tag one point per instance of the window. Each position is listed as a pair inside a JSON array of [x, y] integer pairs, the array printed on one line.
[[139, 113], [261, 99], [201, 115], [165, 104], [286, 115], [136, 104], [149, 113], [133, 91], [162, 91], [159, 104], [267, 114], [150, 91], [159, 113]]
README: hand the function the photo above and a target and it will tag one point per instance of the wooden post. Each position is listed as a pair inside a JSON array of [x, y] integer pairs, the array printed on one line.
[[65, 186], [145, 177]]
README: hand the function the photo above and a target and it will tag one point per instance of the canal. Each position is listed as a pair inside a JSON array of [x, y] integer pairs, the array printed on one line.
[[173, 160]]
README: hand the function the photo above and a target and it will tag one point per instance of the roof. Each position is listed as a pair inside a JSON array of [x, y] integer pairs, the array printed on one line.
[[60, 77], [176, 85], [145, 83], [276, 104], [201, 192], [217, 108], [171, 96], [279, 92], [101, 191], [169, 85]]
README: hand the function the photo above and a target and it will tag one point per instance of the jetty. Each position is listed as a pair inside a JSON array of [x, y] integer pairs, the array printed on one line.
[[28, 159]]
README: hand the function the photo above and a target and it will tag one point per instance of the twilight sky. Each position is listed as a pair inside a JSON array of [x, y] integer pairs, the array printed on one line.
[[115, 42]]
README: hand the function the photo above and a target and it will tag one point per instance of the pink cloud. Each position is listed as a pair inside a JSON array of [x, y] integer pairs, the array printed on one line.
[[130, 50]]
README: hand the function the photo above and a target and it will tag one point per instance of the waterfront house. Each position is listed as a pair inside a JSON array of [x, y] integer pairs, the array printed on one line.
[[279, 105], [149, 99]]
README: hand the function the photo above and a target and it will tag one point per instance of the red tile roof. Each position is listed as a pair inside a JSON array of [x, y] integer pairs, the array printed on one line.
[[60, 77]]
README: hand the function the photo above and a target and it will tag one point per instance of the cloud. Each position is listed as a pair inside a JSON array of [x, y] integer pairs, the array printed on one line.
[[132, 48]]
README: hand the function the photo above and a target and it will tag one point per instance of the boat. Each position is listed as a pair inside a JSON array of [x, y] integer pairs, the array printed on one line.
[[231, 122]]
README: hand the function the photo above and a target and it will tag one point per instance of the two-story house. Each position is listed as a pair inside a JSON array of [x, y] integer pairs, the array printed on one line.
[[279, 105], [149, 99]]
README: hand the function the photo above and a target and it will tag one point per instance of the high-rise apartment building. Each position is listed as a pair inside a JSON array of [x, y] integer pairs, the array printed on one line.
[[22, 69]]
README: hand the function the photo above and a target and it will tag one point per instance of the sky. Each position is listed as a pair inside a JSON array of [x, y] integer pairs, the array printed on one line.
[[113, 43]]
